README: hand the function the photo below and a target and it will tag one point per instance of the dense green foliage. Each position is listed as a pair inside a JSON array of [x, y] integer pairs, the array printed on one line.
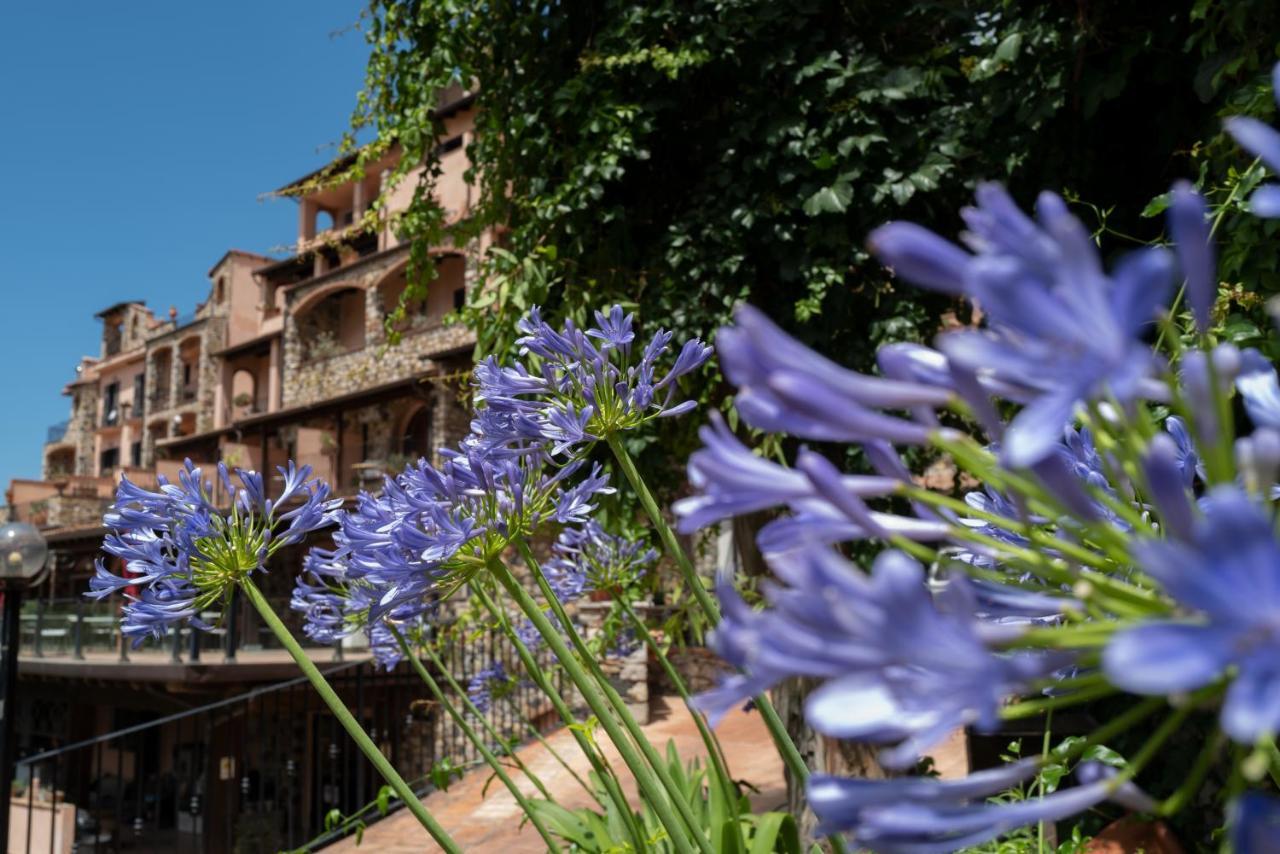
[[683, 156]]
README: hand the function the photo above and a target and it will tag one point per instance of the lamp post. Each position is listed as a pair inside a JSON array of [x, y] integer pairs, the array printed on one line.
[[23, 553]]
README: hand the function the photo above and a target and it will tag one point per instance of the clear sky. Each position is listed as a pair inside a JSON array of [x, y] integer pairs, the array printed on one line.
[[135, 140]]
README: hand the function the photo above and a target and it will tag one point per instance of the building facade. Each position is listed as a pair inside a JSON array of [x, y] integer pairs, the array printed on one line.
[[286, 358]]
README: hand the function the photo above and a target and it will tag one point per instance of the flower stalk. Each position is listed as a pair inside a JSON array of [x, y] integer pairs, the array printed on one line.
[[346, 719]]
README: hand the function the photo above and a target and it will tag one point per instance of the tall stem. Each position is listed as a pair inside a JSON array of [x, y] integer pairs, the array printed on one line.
[[781, 738], [650, 786], [476, 713], [599, 764], [714, 751], [611, 695], [551, 751], [475, 739], [348, 721]]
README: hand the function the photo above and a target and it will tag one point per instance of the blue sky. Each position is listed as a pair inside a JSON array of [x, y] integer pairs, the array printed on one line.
[[136, 139]]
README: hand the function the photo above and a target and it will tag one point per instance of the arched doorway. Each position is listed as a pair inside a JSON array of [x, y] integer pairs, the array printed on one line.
[[415, 438]]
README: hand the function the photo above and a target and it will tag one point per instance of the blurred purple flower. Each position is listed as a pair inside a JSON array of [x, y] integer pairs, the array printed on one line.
[[1228, 572], [924, 815], [1059, 329], [1262, 141], [899, 668], [785, 387], [1253, 823]]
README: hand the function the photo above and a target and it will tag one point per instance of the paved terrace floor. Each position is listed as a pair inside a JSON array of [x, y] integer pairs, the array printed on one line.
[[491, 822]]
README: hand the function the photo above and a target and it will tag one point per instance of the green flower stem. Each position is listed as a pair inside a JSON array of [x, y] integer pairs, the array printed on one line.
[[714, 750], [1040, 537], [1032, 708], [469, 706], [1123, 598], [599, 764], [668, 536], [781, 738], [1195, 778], [472, 736], [555, 754], [1148, 751], [649, 784], [628, 721], [1121, 722], [348, 721]]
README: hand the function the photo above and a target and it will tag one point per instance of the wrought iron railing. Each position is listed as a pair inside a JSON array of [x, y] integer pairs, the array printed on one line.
[[56, 432], [258, 771]]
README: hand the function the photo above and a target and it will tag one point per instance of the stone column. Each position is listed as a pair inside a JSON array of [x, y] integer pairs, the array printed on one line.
[[306, 220], [274, 369], [357, 201], [175, 376]]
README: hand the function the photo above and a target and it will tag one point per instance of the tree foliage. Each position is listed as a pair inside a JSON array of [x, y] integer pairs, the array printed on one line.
[[680, 157]]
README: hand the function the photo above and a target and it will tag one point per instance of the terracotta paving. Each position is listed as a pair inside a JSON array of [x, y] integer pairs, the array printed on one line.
[[491, 822]]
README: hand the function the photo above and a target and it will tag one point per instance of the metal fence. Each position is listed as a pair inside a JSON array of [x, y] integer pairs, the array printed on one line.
[[255, 772], [79, 628]]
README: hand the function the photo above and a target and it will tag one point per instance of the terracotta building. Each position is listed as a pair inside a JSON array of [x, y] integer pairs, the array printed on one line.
[[285, 359]]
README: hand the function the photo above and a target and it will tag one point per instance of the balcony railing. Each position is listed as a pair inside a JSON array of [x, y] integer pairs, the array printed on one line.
[[56, 432], [257, 771]]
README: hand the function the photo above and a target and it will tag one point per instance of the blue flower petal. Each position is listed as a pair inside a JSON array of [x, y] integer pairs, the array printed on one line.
[[1163, 658]]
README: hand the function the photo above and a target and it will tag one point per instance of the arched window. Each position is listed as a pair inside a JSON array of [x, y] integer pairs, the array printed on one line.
[[416, 440], [334, 325]]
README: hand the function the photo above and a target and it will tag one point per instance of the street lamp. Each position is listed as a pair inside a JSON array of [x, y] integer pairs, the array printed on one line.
[[23, 553]]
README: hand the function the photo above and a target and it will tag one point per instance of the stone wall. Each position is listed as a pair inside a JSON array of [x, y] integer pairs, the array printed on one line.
[[80, 427], [75, 511], [310, 382], [211, 339], [629, 674]]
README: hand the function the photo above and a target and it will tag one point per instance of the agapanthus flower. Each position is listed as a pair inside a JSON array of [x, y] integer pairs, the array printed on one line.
[[1262, 141], [432, 527], [1259, 388], [783, 386], [335, 605], [486, 685], [589, 558], [733, 481], [580, 385], [185, 555], [1226, 573], [320, 596], [1188, 215], [899, 668], [1059, 329], [916, 815], [1253, 823]]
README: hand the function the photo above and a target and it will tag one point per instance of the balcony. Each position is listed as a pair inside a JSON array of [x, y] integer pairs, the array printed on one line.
[[56, 432]]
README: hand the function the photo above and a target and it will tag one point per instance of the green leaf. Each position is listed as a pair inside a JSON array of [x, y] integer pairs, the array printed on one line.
[[1009, 48], [776, 831], [1157, 206], [833, 199]]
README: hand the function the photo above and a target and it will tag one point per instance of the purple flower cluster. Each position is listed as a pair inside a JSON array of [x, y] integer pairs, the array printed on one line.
[[433, 528], [589, 558], [580, 385], [184, 555], [488, 685], [1099, 550], [901, 667]]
